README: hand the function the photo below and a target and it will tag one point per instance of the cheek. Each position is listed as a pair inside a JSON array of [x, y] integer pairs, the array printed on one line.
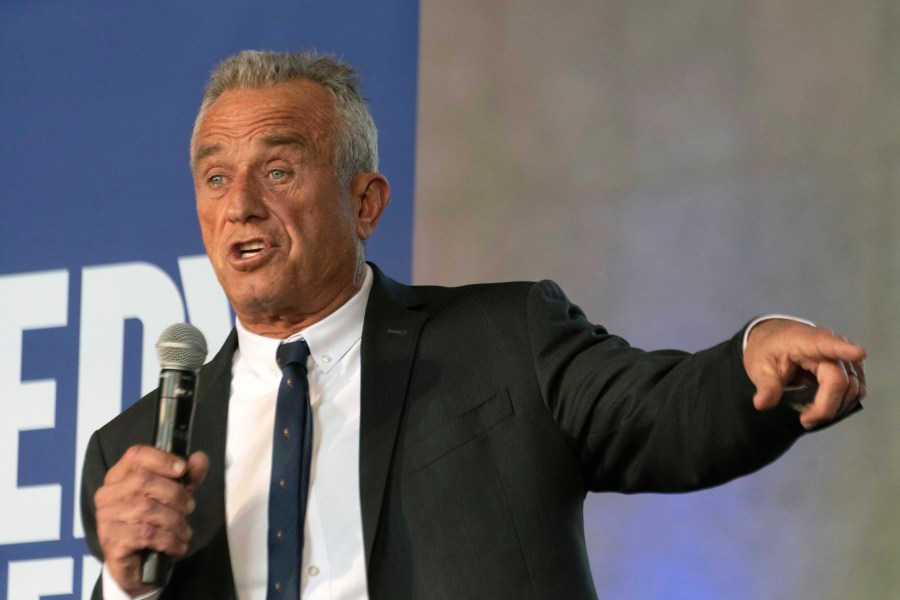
[[209, 237], [206, 229], [209, 216]]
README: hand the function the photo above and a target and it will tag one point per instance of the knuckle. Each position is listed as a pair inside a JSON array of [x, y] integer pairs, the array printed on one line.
[[100, 496], [170, 493], [133, 454], [144, 478], [144, 506], [145, 534], [183, 532]]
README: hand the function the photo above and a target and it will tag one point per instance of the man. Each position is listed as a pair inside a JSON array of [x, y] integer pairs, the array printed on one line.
[[456, 430]]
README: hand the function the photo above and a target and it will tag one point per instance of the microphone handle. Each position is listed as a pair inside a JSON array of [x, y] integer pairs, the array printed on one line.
[[175, 412]]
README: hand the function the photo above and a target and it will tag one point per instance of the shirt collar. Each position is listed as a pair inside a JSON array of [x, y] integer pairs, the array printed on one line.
[[329, 339]]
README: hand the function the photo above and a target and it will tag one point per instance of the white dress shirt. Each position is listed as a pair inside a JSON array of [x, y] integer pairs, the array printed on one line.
[[333, 555]]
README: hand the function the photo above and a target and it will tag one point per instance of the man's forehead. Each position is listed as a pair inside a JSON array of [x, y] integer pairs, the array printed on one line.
[[295, 114]]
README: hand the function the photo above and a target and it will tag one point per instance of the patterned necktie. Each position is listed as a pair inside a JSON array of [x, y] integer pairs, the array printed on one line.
[[289, 487]]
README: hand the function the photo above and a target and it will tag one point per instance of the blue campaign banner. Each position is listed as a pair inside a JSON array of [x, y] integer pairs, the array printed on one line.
[[99, 246]]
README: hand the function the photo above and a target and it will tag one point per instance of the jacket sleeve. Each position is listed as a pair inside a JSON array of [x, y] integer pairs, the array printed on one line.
[[662, 421]]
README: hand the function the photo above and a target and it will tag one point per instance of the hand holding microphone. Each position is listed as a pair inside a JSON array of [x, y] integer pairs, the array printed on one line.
[[143, 505], [181, 350]]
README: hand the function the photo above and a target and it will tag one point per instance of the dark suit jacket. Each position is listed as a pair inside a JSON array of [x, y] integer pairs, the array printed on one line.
[[488, 412]]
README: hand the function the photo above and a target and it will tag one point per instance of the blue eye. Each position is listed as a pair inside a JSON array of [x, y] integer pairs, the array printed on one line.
[[277, 174], [216, 180]]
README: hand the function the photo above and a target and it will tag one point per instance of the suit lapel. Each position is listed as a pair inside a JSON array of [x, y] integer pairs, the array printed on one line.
[[210, 426], [208, 434], [390, 337]]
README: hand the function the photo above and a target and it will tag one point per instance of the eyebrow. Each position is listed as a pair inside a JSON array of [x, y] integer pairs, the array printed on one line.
[[204, 152], [271, 141]]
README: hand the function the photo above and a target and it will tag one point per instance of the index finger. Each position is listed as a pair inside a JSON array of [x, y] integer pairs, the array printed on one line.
[[825, 345], [146, 458]]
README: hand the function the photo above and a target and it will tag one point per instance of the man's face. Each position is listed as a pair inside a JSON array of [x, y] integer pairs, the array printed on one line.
[[284, 237]]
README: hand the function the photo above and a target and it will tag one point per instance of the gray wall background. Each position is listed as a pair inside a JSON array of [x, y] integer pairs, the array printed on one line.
[[680, 167]]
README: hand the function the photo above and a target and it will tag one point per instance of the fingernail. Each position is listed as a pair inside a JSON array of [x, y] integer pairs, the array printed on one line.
[[192, 504], [178, 467]]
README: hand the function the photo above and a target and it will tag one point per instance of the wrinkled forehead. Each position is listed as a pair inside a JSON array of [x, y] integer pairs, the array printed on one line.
[[299, 113]]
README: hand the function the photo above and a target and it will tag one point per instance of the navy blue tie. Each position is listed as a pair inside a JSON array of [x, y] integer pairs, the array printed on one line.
[[289, 487]]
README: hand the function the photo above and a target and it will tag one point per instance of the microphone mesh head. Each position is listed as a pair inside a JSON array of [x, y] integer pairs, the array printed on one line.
[[181, 346]]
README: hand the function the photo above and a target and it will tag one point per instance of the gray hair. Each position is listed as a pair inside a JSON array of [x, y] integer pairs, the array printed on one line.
[[354, 135]]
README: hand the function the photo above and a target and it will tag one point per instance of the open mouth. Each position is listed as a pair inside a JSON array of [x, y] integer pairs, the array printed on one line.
[[250, 249]]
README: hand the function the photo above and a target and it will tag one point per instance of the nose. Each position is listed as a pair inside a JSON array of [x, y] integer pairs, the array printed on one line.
[[246, 200]]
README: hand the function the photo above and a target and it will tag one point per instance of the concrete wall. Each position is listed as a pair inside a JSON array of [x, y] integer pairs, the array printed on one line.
[[680, 168]]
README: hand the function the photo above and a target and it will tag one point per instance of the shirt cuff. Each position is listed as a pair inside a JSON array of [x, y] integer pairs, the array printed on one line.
[[759, 320], [112, 590]]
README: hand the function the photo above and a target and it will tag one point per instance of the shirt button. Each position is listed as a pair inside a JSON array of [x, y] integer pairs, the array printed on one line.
[[326, 358], [280, 535], [313, 570], [277, 586]]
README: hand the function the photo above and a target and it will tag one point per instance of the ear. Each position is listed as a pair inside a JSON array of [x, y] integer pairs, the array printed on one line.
[[371, 193]]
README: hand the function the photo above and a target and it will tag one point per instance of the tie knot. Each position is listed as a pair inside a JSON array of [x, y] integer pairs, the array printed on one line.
[[292, 353]]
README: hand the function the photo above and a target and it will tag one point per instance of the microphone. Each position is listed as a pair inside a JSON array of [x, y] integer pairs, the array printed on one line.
[[181, 351]]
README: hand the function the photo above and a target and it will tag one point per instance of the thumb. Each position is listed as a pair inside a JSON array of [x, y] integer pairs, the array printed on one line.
[[769, 389], [197, 466]]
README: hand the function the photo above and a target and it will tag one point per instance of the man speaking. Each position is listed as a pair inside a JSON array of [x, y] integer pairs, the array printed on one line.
[[359, 438]]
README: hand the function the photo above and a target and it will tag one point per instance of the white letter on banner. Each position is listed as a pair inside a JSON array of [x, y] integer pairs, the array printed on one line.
[[31, 579], [31, 301], [110, 295], [90, 573], [207, 305]]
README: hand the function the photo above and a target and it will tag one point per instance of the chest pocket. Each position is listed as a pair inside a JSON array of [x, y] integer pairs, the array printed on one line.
[[438, 433]]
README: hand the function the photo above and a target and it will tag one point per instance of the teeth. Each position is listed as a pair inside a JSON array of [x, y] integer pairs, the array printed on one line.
[[249, 249]]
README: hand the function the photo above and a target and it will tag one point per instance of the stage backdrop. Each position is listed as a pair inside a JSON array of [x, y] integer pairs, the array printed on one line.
[[99, 247], [679, 167]]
